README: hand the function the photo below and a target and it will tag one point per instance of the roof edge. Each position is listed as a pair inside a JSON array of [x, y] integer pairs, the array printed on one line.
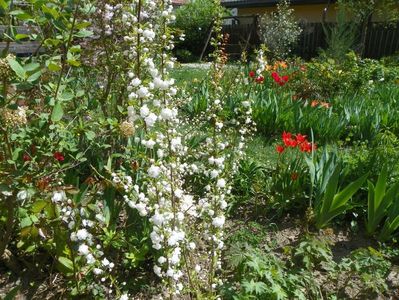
[[268, 3]]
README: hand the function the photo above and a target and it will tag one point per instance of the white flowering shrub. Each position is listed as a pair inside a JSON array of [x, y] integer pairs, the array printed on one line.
[[98, 167], [279, 30]]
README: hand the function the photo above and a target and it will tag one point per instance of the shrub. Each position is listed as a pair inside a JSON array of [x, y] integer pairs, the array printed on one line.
[[185, 56], [279, 30], [340, 37]]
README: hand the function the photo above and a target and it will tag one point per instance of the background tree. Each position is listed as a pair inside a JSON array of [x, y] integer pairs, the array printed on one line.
[[363, 11], [194, 19]]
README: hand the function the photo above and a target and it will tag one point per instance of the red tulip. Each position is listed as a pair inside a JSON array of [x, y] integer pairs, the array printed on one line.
[[260, 79], [280, 149], [300, 138], [305, 147]]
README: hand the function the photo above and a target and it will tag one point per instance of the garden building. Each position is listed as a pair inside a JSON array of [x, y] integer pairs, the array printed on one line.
[[305, 10]]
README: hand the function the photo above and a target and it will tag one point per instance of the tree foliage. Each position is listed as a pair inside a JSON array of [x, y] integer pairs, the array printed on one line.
[[362, 9], [195, 19]]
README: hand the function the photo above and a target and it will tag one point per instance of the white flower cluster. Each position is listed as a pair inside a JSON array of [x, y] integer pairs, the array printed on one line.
[[217, 161], [79, 222], [151, 109], [261, 61], [153, 127]]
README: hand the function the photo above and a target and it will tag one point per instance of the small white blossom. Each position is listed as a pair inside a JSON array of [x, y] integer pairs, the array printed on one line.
[[151, 119], [221, 183], [82, 234], [143, 92], [58, 196], [22, 195], [218, 221], [154, 171], [83, 249]]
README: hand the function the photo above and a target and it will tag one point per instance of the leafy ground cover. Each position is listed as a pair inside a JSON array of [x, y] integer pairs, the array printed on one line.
[[275, 249]]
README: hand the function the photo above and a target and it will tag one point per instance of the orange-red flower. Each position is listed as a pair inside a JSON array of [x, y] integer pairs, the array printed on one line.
[[280, 149], [314, 103], [252, 74], [58, 156], [282, 64], [280, 80], [294, 176], [325, 104], [259, 79], [300, 138], [288, 140]]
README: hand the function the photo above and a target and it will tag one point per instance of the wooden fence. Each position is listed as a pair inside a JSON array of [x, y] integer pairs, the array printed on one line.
[[381, 40], [23, 47]]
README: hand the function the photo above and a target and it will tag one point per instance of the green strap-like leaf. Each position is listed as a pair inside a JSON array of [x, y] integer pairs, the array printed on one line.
[[370, 211], [343, 197], [330, 191], [380, 187]]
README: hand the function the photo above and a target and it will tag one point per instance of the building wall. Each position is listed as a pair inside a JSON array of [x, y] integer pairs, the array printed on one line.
[[308, 13]]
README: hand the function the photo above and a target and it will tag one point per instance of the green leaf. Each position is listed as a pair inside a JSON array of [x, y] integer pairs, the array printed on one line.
[[15, 153], [13, 293], [66, 96], [343, 197], [53, 66], [82, 25], [334, 205], [3, 4], [90, 135], [329, 194], [80, 93], [73, 62], [371, 209], [26, 222], [17, 68], [75, 49], [38, 206], [389, 227], [21, 14], [52, 42], [84, 33], [57, 113], [31, 67], [50, 12], [109, 164], [21, 36], [253, 287], [66, 263], [35, 76], [380, 187], [379, 200]]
